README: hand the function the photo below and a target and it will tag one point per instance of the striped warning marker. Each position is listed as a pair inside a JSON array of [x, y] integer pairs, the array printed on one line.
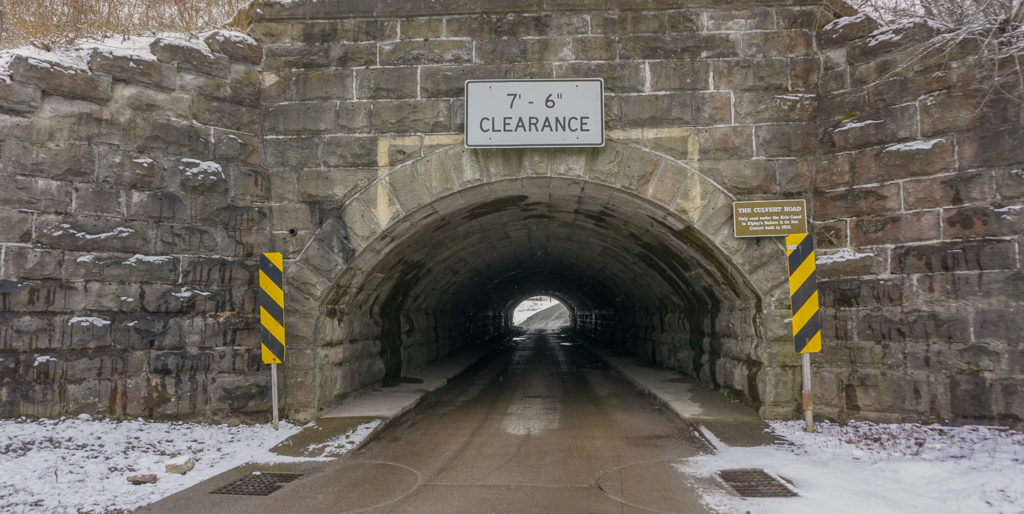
[[272, 308], [803, 290]]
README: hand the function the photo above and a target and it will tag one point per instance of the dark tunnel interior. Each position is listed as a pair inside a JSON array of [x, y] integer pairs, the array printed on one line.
[[632, 274]]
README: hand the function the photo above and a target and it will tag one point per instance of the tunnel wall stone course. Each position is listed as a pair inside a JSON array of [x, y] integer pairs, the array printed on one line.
[[135, 193]]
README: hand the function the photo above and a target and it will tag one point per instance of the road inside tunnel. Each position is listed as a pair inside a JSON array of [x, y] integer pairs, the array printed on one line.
[[631, 273]]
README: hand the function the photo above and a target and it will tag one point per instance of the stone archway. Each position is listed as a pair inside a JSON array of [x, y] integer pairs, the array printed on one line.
[[640, 241]]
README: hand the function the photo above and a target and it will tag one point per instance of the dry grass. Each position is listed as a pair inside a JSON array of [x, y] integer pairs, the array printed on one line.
[[55, 23]]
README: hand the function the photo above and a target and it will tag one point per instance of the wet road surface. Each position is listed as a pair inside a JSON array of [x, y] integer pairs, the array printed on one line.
[[544, 426]]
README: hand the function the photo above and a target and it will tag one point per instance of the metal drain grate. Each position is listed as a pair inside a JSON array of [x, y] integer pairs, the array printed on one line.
[[755, 483], [257, 484]]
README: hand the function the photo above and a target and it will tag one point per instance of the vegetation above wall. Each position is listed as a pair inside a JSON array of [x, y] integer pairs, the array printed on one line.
[[48, 24]]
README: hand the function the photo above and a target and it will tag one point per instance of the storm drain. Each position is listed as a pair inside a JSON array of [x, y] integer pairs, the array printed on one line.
[[755, 483], [257, 484]]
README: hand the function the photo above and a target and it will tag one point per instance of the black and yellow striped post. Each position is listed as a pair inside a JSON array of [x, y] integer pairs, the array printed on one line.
[[271, 300], [803, 291]]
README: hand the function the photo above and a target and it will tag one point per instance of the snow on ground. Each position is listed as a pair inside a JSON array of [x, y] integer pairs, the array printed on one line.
[[531, 306], [867, 467], [82, 465]]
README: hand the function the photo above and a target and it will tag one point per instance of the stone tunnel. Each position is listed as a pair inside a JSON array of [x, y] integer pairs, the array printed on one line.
[[638, 247], [139, 186]]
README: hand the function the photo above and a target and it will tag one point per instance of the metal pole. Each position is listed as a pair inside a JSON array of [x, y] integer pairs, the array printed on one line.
[[806, 396], [273, 385]]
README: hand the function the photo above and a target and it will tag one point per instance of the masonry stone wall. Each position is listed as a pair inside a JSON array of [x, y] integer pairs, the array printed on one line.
[[917, 204], [137, 188], [131, 208]]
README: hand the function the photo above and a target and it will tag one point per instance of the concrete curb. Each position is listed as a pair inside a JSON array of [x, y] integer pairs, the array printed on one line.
[[388, 404], [731, 423]]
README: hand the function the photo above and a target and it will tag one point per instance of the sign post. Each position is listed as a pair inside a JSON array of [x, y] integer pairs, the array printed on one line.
[[271, 301], [803, 291], [789, 218]]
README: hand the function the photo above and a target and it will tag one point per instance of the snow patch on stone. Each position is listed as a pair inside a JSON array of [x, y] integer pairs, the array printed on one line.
[[1008, 208], [86, 258], [842, 22], [842, 255], [849, 126], [795, 96], [913, 145], [188, 44], [43, 359], [145, 161], [117, 232], [234, 37], [153, 259], [84, 321], [187, 292], [202, 170], [132, 48]]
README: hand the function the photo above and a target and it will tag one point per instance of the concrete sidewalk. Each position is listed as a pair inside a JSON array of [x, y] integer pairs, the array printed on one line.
[[732, 423], [384, 404]]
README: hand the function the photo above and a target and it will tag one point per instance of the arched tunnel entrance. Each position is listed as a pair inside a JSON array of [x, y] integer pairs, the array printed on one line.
[[634, 274]]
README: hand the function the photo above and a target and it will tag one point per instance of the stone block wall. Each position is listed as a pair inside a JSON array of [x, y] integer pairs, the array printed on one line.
[[132, 202], [917, 207], [138, 187], [352, 89]]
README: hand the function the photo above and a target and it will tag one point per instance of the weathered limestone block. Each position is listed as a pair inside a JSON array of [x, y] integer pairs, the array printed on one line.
[[675, 109], [846, 29], [236, 46], [982, 221], [945, 191], [21, 332], [242, 88], [220, 114], [62, 76], [771, 107], [406, 53], [884, 41], [133, 68], [295, 152], [677, 46], [512, 26], [236, 147], [163, 136], [857, 202], [334, 185], [19, 99], [21, 262], [190, 55], [60, 160], [897, 228], [404, 116], [386, 83], [321, 85], [15, 226], [303, 118], [780, 43], [118, 167], [98, 199]]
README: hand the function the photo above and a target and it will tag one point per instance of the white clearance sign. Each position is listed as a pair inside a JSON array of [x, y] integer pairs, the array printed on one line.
[[534, 113]]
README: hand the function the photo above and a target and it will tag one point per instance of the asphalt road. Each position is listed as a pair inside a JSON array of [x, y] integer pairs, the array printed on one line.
[[543, 427], [551, 318]]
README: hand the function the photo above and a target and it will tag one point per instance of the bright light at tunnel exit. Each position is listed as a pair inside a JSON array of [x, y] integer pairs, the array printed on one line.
[[540, 312]]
